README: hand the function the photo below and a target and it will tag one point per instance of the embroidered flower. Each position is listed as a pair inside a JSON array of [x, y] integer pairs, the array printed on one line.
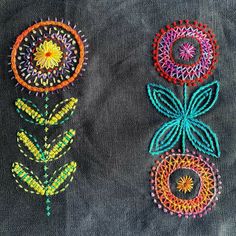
[[185, 52], [48, 56], [198, 199]]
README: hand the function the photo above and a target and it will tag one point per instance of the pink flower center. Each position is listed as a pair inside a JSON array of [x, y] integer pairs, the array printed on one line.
[[187, 51]]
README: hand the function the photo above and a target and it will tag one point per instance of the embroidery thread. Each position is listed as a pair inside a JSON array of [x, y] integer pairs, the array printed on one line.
[[46, 57], [184, 120], [206, 191], [196, 56], [185, 183]]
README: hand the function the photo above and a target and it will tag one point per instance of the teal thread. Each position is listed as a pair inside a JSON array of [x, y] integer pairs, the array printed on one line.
[[184, 120], [46, 182], [22, 115]]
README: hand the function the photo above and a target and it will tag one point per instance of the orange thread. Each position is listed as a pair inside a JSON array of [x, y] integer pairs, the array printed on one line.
[[24, 34]]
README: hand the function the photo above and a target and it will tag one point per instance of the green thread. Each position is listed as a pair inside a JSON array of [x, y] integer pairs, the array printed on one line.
[[30, 148], [48, 201]]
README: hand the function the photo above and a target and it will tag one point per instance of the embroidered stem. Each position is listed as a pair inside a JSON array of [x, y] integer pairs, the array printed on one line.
[[184, 124], [48, 201]]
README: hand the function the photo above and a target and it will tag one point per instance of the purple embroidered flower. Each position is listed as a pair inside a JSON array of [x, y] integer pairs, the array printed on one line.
[[187, 51]]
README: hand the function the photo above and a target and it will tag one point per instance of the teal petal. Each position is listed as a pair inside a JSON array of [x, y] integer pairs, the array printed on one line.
[[166, 137], [203, 99], [202, 137], [165, 101]]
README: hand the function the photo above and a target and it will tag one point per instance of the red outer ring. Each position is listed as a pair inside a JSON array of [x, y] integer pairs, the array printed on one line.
[[199, 26]]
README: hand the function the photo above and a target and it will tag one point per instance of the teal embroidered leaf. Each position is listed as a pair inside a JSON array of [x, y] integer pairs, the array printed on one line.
[[165, 101], [203, 99], [166, 137], [202, 137]]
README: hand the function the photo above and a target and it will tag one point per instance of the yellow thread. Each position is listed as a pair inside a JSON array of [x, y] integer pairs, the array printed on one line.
[[61, 144], [29, 144], [65, 173], [48, 55], [63, 111], [29, 180], [29, 111]]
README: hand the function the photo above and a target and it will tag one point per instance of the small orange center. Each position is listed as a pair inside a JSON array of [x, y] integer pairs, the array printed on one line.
[[185, 184], [48, 54]]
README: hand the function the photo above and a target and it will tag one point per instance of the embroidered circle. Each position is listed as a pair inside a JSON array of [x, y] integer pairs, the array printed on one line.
[[185, 184], [48, 56], [185, 52]]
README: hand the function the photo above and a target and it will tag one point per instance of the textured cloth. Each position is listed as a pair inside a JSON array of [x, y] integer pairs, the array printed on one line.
[[115, 121]]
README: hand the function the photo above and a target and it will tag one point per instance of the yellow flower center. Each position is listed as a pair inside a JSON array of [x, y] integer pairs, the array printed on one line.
[[185, 184], [48, 55]]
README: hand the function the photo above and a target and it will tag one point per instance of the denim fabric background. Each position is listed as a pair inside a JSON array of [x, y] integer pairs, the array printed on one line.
[[114, 121]]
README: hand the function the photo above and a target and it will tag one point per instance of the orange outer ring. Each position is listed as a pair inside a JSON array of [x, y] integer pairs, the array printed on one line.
[[62, 84]]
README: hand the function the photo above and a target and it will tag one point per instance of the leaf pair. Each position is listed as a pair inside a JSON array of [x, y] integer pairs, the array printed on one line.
[[183, 119], [30, 148], [59, 181], [31, 113]]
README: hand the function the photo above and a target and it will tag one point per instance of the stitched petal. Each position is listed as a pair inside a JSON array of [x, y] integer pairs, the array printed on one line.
[[203, 99], [166, 137], [165, 101], [203, 138]]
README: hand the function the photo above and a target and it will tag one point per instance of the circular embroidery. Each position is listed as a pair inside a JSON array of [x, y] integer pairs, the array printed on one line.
[[48, 56], [185, 52], [185, 184]]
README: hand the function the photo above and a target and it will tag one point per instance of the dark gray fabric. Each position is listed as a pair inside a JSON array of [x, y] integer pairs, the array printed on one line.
[[114, 121]]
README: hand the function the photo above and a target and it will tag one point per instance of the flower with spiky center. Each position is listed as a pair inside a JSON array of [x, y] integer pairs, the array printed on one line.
[[189, 64], [187, 51], [185, 184], [48, 55], [163, 175]]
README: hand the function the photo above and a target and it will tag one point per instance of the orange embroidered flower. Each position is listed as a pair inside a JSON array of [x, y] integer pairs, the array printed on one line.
[[166, 193], [48, 56]]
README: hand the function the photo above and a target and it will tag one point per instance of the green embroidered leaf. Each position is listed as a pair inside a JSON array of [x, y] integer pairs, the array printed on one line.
[[62, 111], [166, 137], [26, 179], [28, 145], [60, 146], [61, 179], [203, 138], [29, 111]]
